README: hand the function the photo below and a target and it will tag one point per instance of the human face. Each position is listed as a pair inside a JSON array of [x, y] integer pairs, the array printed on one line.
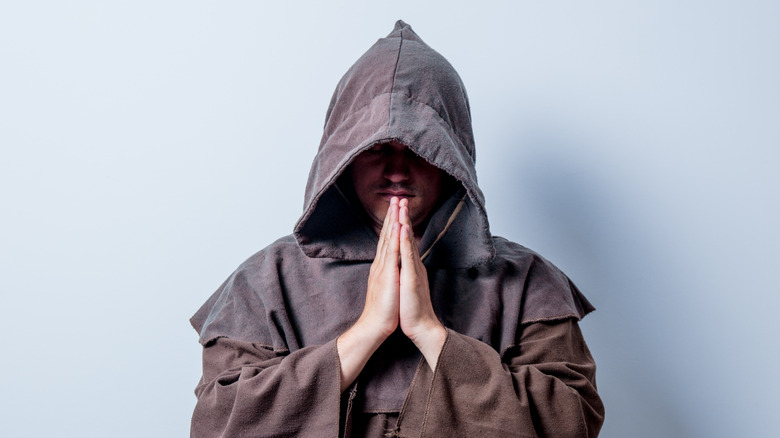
[[392, 169]]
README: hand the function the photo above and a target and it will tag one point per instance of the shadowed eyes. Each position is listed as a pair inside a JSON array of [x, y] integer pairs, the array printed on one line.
[[389, 150]]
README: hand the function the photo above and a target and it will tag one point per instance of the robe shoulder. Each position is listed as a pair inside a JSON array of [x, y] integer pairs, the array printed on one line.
[[245, 294], [548, 294]]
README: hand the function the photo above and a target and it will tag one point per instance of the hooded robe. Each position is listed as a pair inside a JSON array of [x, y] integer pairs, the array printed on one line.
[[514, 363]]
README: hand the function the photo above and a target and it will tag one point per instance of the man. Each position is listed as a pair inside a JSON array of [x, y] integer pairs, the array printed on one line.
[[391, 310]]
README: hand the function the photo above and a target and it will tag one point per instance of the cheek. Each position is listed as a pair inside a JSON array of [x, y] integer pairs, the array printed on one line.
[[360, 179], [432, 181], [363, 171]]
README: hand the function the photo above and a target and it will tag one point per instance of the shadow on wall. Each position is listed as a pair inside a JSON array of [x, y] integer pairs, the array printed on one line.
[[576, 212]]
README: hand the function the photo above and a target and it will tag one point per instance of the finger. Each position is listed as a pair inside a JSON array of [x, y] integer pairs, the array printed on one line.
[[394, 244], [407, 247], [392, 220], [386, 228], [408, 234], [411, 265], [403, 215], [389, 216]]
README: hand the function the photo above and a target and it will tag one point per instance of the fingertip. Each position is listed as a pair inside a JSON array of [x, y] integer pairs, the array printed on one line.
[[394, 209]]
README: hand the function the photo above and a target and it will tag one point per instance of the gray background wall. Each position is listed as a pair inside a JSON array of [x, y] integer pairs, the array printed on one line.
[[147, 148]]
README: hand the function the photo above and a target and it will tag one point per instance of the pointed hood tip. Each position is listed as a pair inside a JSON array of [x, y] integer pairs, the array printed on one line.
[[404, 30], [401, 24]]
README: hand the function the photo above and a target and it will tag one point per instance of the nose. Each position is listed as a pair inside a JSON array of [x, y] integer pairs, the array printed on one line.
[[396, 167]]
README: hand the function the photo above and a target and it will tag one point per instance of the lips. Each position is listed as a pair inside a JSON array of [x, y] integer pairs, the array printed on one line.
[[399, 194]]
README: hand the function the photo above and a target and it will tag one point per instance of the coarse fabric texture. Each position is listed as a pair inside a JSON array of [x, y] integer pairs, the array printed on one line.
[[514, 362]]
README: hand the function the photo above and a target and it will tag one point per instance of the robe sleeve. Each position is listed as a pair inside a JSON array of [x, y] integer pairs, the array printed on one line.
[[544, 387], [249, 391]]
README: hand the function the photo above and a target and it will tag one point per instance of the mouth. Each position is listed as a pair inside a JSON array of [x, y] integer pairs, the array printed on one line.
[[398, 194]]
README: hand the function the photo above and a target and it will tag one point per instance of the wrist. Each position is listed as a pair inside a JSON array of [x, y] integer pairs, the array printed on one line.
[[369, 332], [354, 347], [430, 342]]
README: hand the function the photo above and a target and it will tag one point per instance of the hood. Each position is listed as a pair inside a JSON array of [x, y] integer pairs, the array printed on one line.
[[399, 90]]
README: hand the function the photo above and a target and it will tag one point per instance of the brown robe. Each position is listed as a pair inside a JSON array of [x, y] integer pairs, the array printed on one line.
[[514, 362]]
